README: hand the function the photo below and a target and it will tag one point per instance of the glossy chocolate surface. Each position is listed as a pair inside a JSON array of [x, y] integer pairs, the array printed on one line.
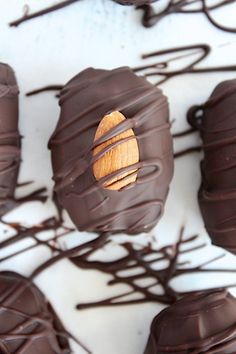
[[84, 101], [199, 323], [9, 134], [28, 324], [217, 194]]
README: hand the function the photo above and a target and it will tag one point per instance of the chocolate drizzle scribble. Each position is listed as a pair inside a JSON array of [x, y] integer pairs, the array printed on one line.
[[22, 232], [150, 16], [27, 16], [48, 88], [185, 7], [187, 151], [160, 69], [148, 258], [13, 202]]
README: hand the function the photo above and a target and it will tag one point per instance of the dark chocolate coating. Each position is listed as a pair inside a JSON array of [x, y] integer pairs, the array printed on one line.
[[217, 194], [84, 101], [9, 134], [134, 2], [28, 324], [200, 323]]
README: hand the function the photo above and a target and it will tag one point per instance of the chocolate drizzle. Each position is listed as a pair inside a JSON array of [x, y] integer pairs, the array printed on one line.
[[48, 88], [84, 101], [14, 202], [146, 264], [33, 233], [187, 151], [161, 68], [134, 257], [216, 122], [148, 258], [22, 232], [26, 16], [151, 18]]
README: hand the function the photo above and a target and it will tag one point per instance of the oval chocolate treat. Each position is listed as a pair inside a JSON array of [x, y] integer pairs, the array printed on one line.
[[216, 121], [28, 324], [9, 135], [201, 323], [112, 152]]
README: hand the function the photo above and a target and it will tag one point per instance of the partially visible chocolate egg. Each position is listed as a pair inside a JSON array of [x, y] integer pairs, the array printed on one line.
[[9, 135], [216, 121], [28, 323], [203, 323], [112, 152]]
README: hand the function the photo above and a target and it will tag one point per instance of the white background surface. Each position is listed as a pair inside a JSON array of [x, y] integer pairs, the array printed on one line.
[[53, 48]]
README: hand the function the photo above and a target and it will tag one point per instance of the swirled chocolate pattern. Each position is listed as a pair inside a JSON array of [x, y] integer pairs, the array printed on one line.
[[84, 101], [201, 323], [9, 134], [28, 324], [217, 195]]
